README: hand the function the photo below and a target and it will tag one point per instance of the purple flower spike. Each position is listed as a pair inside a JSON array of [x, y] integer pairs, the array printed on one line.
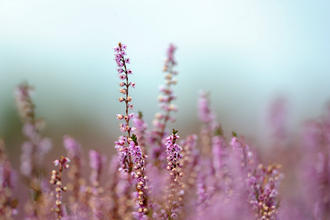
[[56, 179], [8, 180], [174, 192], [157, 136]]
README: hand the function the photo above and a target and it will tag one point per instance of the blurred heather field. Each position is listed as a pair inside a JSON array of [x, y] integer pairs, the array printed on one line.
[[259, 69]]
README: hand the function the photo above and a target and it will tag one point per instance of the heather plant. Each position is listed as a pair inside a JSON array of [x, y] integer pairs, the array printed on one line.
[[56, 179], [316, 174], [157, 135], [75, 153], [203, 176], [33, 151], [8, 183]]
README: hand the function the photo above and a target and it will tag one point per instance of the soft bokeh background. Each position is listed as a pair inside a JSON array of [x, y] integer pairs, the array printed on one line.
[[246, 53]]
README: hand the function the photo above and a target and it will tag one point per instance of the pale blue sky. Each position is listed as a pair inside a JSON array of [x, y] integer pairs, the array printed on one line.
[[244, 52]]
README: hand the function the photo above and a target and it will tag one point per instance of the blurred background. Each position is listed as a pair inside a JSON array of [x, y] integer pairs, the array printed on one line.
[[245, 53]]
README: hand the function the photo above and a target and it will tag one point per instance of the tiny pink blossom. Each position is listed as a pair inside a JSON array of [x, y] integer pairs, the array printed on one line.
[[129, 71], [133, 84], [116, 49], [131, 106], [118, 57], [122, 76], [120, 116], [56, 162], [67, 160], [120, 64], [124, 91], [127, 60]]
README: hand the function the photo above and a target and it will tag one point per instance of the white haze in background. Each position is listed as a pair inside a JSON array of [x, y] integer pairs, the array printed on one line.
[[244, 52]]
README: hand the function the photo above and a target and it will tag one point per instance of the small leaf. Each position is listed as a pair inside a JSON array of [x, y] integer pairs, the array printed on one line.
[[134, 138]]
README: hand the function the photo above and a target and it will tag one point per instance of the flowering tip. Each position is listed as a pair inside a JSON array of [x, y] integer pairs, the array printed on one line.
[[116, 49], [56, 162], [122, 76]]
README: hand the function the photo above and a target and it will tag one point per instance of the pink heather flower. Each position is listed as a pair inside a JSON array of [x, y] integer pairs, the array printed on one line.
[[133, 84], [120, 116], [123, 46], [129, 71], [131, 106], [127, 60], [66, 159], [235, 143], [122, 127], [122, 84], [56, 162], [123, 91], [120, 64], [120, 70], [170, 54], [121, 99], [122, 77], [116, 49], [163, 98], [118, 57]]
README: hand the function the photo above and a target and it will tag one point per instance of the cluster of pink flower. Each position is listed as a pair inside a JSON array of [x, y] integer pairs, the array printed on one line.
[[203, 177]]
